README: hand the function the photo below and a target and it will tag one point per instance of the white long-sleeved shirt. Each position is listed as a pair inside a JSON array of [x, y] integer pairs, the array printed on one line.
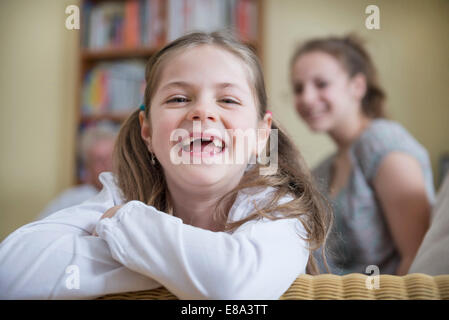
[[141, 248]]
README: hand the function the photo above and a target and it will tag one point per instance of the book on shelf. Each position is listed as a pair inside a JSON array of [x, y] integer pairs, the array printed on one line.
[[212, 15], [125, 24], [143, 23], [113, 87]]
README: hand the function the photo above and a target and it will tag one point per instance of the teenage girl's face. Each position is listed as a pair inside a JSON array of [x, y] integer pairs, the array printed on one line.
[[209, 86], [324, 95]]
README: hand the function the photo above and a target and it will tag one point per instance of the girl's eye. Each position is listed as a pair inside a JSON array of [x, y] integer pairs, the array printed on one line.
[[229, 100], [177, 100], [321, 84], [297, 89]]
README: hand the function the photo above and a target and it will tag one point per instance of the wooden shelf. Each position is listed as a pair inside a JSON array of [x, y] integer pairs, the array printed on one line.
[[125, 53], [116, 53], [114, 117]]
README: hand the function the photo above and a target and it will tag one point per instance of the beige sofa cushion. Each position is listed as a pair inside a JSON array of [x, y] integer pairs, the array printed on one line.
[[433, 255]]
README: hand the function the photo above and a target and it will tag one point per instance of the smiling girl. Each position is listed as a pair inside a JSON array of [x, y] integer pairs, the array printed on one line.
[[204, 231], [379, 180]]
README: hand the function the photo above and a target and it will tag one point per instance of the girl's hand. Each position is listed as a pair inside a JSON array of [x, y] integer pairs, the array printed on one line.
[[108, 214]]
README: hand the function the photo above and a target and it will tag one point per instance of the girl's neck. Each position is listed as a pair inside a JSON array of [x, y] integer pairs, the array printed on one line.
[[347, 132], [196, 206]]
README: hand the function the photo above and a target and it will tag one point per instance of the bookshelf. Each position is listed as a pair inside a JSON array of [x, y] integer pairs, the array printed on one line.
[[117, 37]]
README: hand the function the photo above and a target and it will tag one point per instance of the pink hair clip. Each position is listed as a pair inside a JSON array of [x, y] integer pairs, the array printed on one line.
[[271, 113]]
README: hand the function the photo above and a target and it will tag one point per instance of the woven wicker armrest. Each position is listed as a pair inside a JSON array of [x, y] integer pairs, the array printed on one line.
[[327, 286], [354, 287]]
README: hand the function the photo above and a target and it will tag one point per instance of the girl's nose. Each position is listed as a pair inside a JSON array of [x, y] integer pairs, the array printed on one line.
[[200, 112], [308, 96]]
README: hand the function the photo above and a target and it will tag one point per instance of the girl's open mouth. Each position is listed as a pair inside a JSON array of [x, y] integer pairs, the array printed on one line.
[[203, 145]]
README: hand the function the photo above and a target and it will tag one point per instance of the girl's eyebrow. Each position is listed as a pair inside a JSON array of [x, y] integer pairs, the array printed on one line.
[[181, 84], [230, 85]]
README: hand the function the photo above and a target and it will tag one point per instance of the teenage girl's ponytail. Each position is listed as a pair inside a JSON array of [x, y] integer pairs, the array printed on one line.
[[361, 62]]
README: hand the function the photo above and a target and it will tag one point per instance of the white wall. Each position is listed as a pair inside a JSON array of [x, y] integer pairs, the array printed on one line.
[[37, 90]]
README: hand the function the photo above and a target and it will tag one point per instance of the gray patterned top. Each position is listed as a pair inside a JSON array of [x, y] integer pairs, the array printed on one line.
[[360, 236]]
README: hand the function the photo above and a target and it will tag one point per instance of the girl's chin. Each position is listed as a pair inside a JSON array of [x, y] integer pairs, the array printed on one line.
[[202, 174], [321, 122], [318, 126]]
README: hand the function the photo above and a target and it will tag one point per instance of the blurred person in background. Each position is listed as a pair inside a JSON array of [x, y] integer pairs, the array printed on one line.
[[379, 180], [96, 147]]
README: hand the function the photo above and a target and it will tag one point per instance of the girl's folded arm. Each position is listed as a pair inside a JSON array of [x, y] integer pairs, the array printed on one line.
[[57, 258], [260, 260]]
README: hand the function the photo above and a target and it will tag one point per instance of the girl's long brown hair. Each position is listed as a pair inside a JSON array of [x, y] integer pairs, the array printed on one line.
[[141, 180]]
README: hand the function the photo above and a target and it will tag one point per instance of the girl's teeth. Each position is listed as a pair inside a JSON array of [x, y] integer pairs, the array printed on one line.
[[214, 145], [186, 141], [186, 148], [218, 143]]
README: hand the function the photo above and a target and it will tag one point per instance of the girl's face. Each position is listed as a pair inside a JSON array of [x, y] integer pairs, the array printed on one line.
[[209, 86], [324, 95]]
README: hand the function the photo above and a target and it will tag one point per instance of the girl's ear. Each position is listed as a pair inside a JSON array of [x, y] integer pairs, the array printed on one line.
[[358, 86], [145, 130]]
